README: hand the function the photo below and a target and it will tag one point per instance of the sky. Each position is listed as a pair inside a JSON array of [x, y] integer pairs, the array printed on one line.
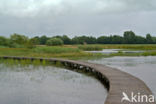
[[77, 17]]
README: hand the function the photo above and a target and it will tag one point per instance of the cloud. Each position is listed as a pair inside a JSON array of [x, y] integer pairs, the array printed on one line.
[[120, 6], [31, 8], [77, 17]]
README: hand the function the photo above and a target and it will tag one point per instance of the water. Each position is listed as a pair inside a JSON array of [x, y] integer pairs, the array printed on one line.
[[142, 67], [109, 51], [48, 85]]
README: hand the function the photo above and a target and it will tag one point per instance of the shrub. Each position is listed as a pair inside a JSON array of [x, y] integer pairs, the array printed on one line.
[[54, 42]]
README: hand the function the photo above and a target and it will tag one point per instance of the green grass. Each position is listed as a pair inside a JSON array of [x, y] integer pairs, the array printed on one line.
[[90, 47], [146, 53], [77, 51], [119, 46], [67, 52], [55, 50], [3, 46]]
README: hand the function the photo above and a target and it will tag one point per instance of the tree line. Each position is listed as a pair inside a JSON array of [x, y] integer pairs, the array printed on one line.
[[129, 37]]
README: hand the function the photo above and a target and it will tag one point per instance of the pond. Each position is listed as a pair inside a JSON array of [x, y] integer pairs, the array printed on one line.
[[141, 67], [109, 51], [48, 85]]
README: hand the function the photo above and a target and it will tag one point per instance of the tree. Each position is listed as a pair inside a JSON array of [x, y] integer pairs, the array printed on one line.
[[117, 39], [154, 40], [64, 38], [35, 40], [149, 39], [140, 40], [129, 37], [54, 42], [4, 41], [104, 40], [43, 39], [18, 39]]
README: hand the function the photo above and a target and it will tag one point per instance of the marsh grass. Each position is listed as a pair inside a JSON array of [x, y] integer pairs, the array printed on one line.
[[120, 46], [77, 52], [90, 47], [55, 49]]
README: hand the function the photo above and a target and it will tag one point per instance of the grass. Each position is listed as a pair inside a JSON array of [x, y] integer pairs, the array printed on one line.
[[121, 46], [146, 53], [48, 52], [77, 51], [90, 47], [55, 50]]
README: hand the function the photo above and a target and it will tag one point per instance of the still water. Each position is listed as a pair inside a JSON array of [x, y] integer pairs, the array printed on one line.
[[142, 67], [48, 85], [109, 51]]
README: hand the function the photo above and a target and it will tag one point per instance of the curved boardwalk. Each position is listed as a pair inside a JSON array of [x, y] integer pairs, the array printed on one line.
[[115, 80]]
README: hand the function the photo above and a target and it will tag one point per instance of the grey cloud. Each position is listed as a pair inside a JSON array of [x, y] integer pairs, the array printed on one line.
[[77, 17]]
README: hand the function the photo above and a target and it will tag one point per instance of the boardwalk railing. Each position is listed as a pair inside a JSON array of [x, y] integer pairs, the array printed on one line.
[[120, 85]]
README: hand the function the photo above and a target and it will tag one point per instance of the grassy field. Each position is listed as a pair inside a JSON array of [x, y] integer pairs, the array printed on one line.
[[68, 52], [77, 51]]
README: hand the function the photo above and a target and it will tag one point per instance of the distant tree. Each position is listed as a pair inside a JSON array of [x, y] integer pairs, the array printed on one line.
[[149, 39], [30, 44], [76, 40], [43, 39], [84, 39], [129, 37], [91, 40], [154, 40], [4, 41], [35, 40], [140, 40], [54, 42], [117, 39], [64, 38], [104, 40], [18, 39]]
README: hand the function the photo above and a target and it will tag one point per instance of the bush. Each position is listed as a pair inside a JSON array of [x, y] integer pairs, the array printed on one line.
[[54, 42]]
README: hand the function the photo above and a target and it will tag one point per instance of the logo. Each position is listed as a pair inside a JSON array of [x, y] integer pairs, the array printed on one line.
[[137, 98]]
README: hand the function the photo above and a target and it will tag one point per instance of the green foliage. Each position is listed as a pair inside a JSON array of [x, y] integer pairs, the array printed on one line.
[[149, 39], [18, 39], [4, 41], [54, 42], [117, 39], [30, 44], [90, 47], [21, 41], [55, 50], [35, 40], [64, 38], [43, 39], [84, 40], [129, 37], [104, 40]]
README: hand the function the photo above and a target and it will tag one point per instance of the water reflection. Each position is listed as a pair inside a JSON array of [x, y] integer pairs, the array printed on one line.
[[48, 85], [142, 67], [109, 51]]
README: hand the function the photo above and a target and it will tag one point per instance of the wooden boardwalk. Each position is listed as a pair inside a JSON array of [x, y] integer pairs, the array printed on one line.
[[115, 80]]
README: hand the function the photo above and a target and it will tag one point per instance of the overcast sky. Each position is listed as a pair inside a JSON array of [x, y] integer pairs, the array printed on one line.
[[77, 17]]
